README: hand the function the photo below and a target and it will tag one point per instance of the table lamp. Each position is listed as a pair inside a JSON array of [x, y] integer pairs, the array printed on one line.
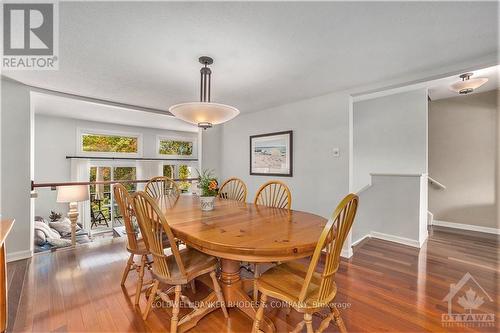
[[72, 194]]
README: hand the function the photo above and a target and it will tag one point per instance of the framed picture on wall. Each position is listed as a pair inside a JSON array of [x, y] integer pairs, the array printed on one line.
[[272, 154]]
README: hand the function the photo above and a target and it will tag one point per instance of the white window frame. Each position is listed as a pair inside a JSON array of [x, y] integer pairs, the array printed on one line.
[[194, 141], [83, 131]]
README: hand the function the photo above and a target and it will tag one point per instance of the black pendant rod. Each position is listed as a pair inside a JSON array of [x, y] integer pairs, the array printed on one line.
[[205, 78]]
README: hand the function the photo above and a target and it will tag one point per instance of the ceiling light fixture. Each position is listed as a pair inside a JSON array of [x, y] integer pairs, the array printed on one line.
[[467, 85], [204, 113]]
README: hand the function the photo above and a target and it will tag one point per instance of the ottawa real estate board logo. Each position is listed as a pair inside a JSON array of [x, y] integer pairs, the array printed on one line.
[[30, 36], [466, 300]]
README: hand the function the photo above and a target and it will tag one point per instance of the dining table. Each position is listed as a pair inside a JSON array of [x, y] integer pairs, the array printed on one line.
[[238, 232]]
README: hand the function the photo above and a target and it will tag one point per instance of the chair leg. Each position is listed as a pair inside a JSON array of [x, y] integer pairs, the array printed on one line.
[[288, 309], [140, 280], [338, 319], [299, 327], [130, 262], [255, 277], [218, 292], [151, 299], [259, 314], [308, 320], [193, 286], [175, 311]]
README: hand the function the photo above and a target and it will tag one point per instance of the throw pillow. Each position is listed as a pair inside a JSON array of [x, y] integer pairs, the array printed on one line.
[[49, 233], [63, 227], [59, 242], [40, 238]]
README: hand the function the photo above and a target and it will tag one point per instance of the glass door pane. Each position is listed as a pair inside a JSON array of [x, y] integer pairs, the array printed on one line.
[[168, 171], [100, 200], [123, 173], [185, 171]]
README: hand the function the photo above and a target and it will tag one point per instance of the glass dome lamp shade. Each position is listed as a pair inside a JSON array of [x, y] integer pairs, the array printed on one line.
[[467, 85], [204, 113]]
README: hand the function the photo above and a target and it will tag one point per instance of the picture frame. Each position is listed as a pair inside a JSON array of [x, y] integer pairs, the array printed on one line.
[[271, 154]]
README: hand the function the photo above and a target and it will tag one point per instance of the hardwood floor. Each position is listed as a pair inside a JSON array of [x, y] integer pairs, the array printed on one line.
[[386, 287]]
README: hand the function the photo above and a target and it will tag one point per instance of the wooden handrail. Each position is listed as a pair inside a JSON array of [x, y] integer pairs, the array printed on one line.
[[103, 182], [111, 158]]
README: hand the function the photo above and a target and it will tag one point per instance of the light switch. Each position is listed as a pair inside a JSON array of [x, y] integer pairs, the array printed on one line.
[[336, 152]]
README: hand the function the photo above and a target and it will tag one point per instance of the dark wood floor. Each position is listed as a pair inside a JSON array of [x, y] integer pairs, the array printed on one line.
[[387, 288]]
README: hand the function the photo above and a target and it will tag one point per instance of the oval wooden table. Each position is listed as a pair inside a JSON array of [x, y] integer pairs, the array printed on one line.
[[236, 231]]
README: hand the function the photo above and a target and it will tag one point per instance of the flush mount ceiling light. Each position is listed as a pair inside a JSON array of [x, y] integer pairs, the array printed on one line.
[[204, 113], [467, 85]]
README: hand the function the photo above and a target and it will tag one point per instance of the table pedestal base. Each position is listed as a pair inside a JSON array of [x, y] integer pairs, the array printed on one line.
[[235, 293]]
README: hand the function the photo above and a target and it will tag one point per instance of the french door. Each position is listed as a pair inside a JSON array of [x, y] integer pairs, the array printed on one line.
[[104, 212]]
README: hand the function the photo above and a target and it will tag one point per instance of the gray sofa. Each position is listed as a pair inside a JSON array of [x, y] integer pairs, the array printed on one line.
[[53, 235]]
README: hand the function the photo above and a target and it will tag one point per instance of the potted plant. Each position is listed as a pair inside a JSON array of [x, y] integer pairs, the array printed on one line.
[[209, 189]]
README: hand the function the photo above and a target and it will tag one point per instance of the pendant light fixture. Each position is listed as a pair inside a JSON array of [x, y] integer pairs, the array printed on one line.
[[467, 85], [204, 113]]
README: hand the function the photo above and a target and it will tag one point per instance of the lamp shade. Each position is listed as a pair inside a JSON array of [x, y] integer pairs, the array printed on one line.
[[204, 112], [73, 193], [467, 85]]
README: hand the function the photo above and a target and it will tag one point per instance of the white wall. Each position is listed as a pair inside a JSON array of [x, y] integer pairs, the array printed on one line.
[[390, 135], [393, 208], [15, 167], [319, 180], [463, 148], [57, 137], [212, 149]]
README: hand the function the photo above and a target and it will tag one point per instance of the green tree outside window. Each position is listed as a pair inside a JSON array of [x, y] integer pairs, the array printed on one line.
[[109, 143], [175, 147]]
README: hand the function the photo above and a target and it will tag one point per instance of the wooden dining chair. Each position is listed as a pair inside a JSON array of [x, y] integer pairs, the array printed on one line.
[[158, 187], [135, 246], [175, 270], [304, 288], [233, 189], [272, 194]]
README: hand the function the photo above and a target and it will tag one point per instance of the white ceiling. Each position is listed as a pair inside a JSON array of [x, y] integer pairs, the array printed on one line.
[[266, 53], [440, 89], [58, 106]]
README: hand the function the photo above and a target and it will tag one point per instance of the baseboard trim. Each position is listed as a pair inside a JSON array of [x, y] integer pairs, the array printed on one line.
[[470, 227], [396, 239], [360, 240], [19, 255]]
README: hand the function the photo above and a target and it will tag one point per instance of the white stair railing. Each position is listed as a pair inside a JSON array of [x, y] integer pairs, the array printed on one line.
[[436, 184]]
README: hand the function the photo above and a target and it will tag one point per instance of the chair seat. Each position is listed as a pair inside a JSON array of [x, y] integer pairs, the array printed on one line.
[[195, 264], [285, 282]]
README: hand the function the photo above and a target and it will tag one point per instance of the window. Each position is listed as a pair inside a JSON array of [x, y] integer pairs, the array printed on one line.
[[110, 143], [180, 147], [185, 171], [168, 171], [179, 172]]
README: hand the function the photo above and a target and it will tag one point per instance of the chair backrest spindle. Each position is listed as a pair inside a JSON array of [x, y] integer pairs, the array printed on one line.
[[274, 194], [154, 226], [158, 187], [332, 240], [233, 189], [125, 204]]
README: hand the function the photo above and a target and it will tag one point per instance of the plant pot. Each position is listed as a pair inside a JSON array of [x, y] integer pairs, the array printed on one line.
[[207, 203]]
